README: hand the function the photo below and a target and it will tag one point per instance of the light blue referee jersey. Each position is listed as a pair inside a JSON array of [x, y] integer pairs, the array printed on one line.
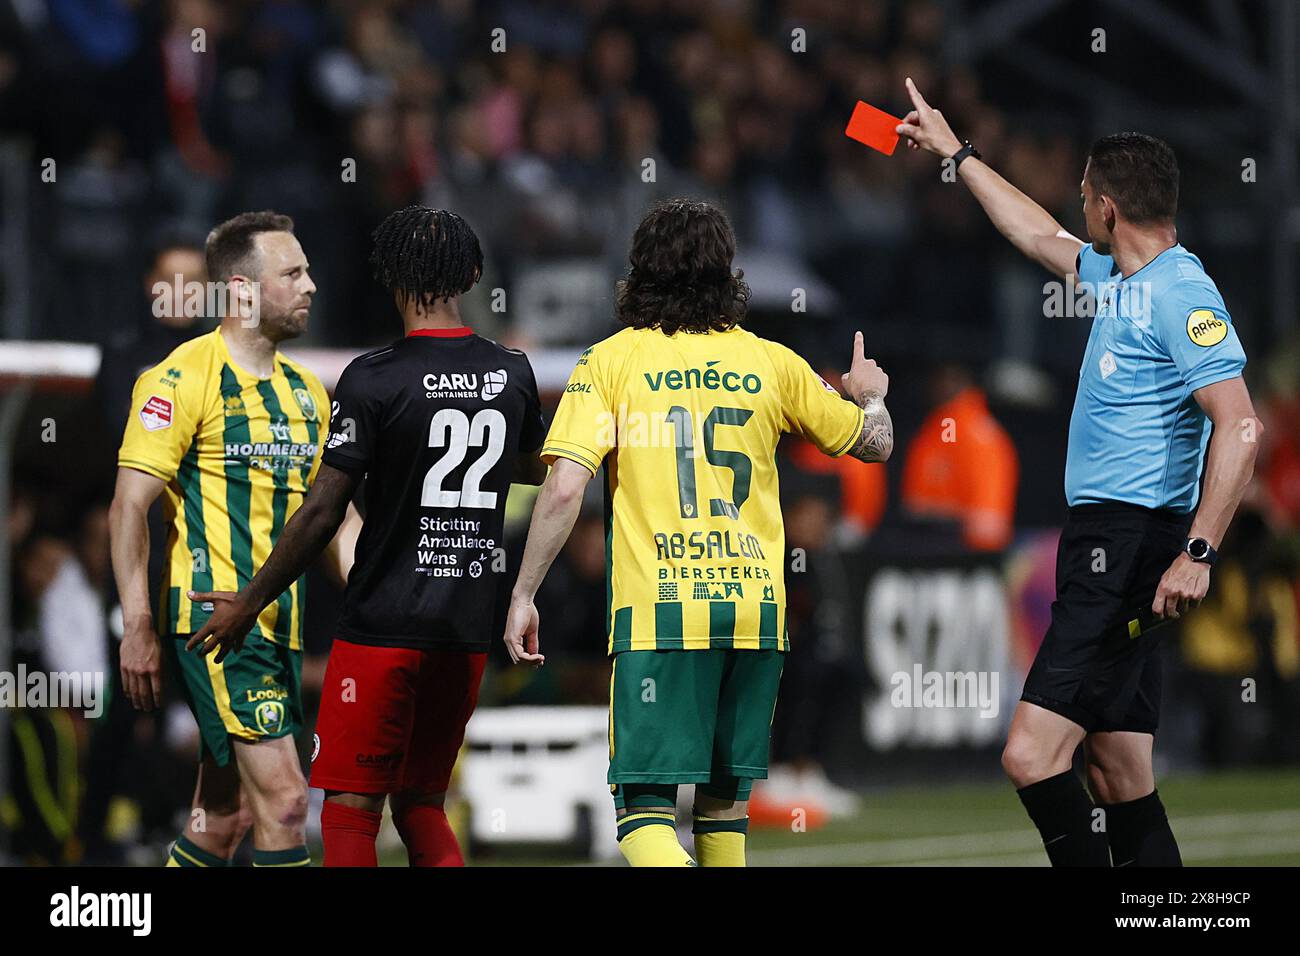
[[1136, 433]]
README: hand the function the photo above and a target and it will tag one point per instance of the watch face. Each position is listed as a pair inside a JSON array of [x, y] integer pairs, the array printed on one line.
[[1198, 548]]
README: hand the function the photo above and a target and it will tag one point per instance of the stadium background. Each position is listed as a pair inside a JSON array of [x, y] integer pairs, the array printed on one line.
[[338, 112]]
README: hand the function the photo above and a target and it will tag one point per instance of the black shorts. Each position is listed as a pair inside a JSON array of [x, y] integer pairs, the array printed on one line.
[[1097, 665]]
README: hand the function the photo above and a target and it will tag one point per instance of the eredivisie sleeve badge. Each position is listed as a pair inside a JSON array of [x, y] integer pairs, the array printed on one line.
[[156, 414]]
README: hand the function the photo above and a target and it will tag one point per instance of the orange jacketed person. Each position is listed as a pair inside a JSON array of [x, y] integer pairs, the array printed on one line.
[[962, 465]]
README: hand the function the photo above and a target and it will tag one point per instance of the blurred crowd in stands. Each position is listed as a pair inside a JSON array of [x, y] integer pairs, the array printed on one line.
[[551, 125]]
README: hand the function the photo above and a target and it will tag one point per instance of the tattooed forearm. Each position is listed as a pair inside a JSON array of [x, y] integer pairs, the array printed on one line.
[[876, 442]]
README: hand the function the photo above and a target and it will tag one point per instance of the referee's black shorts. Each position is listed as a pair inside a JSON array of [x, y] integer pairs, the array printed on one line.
[[1096, 665]]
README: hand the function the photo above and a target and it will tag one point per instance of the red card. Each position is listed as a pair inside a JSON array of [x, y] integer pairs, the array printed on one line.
[[873, 127]]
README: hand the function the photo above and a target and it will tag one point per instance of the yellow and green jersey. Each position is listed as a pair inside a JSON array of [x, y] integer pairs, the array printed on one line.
[[687, 427], [238, 454]]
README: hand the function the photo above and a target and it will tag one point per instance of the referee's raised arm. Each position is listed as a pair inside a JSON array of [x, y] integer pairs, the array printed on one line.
[[1029, 226]]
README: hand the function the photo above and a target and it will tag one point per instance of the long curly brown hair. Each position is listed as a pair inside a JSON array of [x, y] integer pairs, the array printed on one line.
[[681, 278]]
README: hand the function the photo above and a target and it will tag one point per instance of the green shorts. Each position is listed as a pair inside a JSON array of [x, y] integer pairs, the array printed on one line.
[[254, 694], [691, 716]]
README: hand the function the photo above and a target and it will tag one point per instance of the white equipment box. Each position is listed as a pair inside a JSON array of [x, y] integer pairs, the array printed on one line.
[[537, 775]]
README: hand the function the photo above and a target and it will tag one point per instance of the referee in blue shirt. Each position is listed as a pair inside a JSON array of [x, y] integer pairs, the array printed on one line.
[[1163, 365]]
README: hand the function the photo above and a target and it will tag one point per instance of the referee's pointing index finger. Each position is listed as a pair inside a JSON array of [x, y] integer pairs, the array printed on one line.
[[917, 99]]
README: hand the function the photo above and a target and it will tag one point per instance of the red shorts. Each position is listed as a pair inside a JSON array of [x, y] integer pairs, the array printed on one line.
[[392, 719]]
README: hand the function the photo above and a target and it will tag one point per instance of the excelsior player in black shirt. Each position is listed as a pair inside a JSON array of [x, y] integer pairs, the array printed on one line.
[[438, 424]]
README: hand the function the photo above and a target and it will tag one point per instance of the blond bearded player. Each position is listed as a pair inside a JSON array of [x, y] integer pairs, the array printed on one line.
[[229, 431]]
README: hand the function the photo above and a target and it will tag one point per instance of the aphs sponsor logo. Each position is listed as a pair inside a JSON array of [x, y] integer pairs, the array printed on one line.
[[156, 414], [75, 909]]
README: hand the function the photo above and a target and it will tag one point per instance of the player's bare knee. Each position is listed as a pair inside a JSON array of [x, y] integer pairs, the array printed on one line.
[[1118, 771], [283, 808], [1015, 760], [292, 809], [1024, 761], [1119, 782], [1098, 782]]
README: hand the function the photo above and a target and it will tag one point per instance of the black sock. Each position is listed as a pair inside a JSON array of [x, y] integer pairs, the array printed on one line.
[[1060, 808], [1139, 833]]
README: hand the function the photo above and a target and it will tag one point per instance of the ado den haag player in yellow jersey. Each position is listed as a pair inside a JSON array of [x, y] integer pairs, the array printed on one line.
[[230, 432], [684, 409], [438, 423]]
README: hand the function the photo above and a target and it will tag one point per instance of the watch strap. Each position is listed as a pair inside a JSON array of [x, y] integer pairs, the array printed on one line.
[[966, 150]]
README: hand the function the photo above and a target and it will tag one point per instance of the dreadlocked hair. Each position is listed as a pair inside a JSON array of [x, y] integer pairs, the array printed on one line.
[[680, 277], [429, 254]]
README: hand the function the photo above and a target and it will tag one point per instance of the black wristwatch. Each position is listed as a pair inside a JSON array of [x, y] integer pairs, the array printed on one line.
[[966, 150], [1199, 550]]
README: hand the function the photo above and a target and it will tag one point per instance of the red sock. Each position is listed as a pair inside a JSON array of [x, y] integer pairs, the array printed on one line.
[[349, 834], [427, 835]]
